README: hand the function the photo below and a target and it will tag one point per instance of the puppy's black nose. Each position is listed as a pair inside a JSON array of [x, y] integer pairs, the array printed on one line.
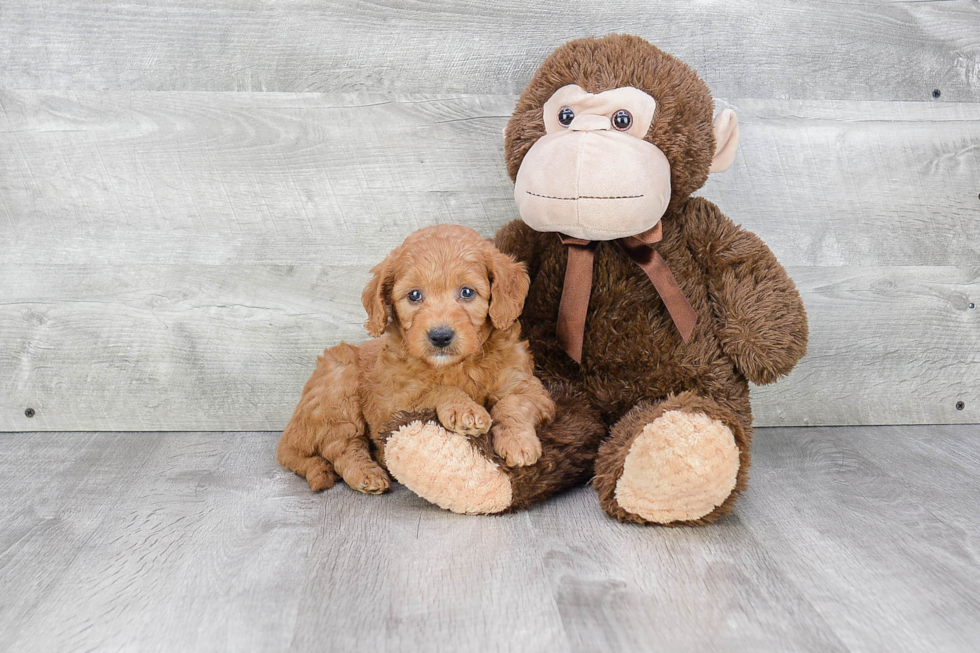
[[441, 336]]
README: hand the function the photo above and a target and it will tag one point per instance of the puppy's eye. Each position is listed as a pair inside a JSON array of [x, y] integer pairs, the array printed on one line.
[[415, 296], [566, 116], [467, 293], [622, 120]]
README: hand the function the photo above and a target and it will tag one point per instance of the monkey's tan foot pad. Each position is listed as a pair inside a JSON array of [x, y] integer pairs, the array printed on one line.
[[680, 468], [445, 469]]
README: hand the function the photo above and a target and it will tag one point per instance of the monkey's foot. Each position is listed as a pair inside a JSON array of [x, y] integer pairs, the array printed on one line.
[[446, 469], [682, 462], [680, 468]]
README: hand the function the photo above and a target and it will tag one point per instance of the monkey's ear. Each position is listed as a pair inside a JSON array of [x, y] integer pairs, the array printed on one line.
[[509, 284], [375, 300], [725, 128]]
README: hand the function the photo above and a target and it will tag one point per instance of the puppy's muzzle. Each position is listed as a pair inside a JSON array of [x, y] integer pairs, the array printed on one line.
[[441, 337]]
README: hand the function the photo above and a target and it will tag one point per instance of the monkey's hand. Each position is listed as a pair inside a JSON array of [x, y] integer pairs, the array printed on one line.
[[761, 320]]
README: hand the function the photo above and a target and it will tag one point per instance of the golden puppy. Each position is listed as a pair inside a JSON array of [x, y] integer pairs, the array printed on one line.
[[443, 310]]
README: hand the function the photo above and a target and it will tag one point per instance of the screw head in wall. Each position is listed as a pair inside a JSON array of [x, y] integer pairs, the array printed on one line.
[[960, 405], [29, 412]]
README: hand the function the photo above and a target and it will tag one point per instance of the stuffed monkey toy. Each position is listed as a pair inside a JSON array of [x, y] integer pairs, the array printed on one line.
[[649, 311]]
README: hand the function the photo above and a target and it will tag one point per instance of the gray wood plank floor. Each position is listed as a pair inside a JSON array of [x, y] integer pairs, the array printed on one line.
[[850, 539]]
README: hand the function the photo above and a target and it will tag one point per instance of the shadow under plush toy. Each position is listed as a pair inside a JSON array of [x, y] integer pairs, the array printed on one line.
[[647, 304]]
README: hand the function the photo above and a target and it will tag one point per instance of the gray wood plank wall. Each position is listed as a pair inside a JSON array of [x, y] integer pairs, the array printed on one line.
[[191, 196]]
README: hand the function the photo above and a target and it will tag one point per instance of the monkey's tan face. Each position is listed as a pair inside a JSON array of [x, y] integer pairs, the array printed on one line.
[[592, 175]]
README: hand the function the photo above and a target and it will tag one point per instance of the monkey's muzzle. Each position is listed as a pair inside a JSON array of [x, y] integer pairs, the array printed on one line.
[[594, 184]]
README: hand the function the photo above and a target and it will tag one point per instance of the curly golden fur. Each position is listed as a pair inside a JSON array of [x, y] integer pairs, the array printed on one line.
[[443, 310]]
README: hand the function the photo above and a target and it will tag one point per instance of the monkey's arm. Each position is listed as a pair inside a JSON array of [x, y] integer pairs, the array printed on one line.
[[521, 242], [761, 320]]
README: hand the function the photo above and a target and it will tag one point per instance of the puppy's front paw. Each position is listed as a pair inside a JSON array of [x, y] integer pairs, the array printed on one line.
[[466, 418], [369, 479], [518, 447]]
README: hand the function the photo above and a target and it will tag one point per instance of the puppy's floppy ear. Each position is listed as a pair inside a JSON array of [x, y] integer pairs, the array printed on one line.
[[509, 284], [375, 297]]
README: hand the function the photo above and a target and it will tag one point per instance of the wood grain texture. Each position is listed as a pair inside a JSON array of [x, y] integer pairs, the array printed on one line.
[[897, 345], [177, 260], [241, 178], [198, 347], [910, 540], [818, 50], [849, 539], [302, 178], [857, 183]]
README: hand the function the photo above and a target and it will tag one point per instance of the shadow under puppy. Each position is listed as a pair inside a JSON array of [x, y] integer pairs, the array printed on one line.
[[442, 310]]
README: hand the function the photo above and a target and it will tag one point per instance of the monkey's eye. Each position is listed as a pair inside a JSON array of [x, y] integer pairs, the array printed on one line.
[[415, 296], [566, 116], [466, 293], [622, 120]]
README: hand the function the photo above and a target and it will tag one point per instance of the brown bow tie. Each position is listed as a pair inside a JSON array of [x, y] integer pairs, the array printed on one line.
[[578, 286]]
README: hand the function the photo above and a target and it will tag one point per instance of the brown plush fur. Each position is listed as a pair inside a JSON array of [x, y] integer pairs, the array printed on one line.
[[612, 453], [635, 367], [681, 126], [569, 444], [483, 379], [751, 322]]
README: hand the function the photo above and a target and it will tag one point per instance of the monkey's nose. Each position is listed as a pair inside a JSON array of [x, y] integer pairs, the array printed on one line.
[[588, 122], [441, 336]]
